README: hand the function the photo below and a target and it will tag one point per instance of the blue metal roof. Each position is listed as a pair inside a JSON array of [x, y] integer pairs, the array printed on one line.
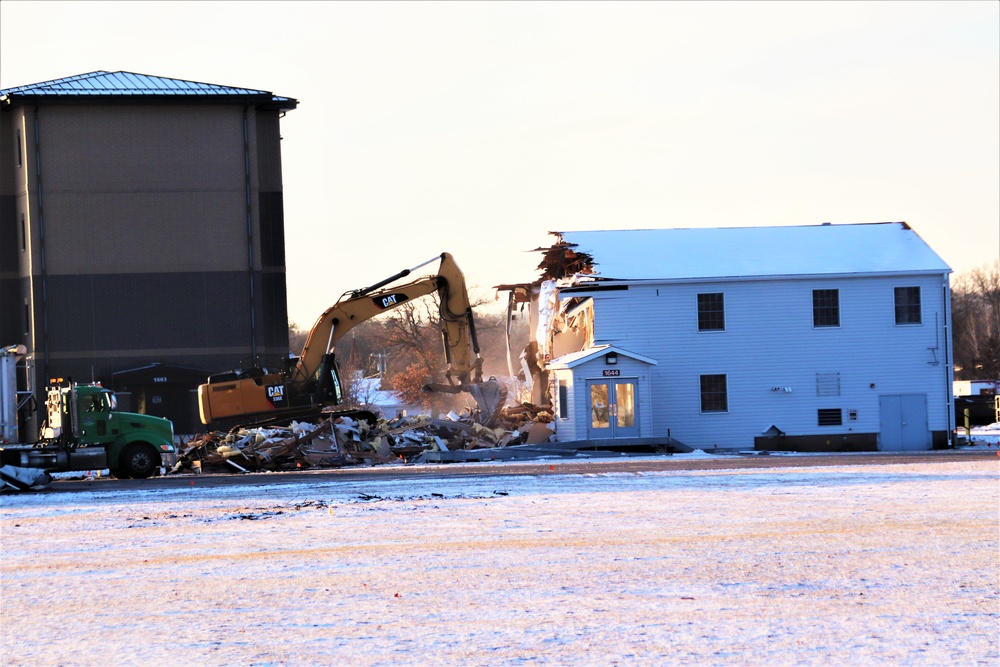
[[130, 84]]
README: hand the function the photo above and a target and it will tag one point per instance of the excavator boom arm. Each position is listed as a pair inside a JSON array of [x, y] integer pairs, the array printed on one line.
[[309, 386], [457, 325]]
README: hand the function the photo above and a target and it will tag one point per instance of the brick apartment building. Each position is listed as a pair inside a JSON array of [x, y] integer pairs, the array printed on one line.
[[141, 233]]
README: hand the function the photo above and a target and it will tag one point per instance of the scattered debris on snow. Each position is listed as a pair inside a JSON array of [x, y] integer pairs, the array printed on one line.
[[338, 441]]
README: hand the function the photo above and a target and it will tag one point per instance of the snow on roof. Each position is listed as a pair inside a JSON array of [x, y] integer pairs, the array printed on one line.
[[131, 85], [677, 254], [576, 358]]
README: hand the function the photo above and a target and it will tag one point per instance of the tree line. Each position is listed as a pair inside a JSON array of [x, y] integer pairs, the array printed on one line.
[[975, 320]]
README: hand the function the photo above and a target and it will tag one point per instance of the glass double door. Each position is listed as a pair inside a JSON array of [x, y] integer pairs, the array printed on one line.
[[613, 408]]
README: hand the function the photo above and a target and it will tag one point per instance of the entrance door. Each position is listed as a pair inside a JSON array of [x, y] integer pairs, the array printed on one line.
[[613, 407], [904, 423]]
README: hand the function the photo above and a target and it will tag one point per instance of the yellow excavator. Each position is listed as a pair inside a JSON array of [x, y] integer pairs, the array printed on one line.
[[310, 383]]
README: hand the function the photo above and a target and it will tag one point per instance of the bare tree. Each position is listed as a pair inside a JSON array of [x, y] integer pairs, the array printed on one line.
[[975, 316], [296, 337], [417, 354], [405, 347]]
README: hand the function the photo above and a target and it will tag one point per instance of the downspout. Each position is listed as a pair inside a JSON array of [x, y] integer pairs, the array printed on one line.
[[949, 375], [249, 214], [41, 250]]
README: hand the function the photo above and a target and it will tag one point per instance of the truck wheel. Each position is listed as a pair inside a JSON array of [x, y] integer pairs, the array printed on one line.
[[139, 461]]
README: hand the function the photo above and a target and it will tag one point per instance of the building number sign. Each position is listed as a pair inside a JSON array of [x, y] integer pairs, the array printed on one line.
[[612, 372]]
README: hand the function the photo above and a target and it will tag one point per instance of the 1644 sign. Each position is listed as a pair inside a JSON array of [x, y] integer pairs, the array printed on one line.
[[612, 372]]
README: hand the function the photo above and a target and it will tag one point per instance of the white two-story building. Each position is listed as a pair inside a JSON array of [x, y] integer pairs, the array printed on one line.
[[810, 338]]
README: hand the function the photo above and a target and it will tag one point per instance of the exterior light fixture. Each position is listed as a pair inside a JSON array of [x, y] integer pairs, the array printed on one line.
[[611, 358]]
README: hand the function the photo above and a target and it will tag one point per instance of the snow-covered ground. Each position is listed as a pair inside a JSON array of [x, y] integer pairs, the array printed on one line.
[[893, 564], [985, 435]]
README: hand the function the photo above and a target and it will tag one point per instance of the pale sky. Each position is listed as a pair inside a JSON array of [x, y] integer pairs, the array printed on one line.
[[476, 128]]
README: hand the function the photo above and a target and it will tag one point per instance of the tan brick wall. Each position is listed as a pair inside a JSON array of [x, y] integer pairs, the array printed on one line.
[[116, 178]]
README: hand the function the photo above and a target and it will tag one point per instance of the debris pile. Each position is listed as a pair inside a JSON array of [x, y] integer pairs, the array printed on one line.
[[338, 441]]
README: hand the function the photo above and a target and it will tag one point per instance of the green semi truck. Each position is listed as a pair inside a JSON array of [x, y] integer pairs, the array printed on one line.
[[84, 431]]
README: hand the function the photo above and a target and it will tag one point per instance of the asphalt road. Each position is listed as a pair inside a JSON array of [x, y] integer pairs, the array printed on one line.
[[634, 464]]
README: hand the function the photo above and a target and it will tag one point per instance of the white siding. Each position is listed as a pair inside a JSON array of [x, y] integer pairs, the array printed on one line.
[[770, 341]]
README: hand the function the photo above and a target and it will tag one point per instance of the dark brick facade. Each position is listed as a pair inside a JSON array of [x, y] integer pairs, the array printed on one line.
[[135, 248]]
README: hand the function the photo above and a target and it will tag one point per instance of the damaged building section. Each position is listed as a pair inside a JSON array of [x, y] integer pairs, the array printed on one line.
[[556, 327]]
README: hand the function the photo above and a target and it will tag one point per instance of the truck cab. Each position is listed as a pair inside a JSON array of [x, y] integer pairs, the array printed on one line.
[[84, 431]]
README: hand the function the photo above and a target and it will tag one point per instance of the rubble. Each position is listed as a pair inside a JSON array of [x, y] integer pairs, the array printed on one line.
[[338, 441], [16, 478]]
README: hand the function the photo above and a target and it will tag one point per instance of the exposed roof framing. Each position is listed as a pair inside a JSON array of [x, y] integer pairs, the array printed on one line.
[[562, 259]]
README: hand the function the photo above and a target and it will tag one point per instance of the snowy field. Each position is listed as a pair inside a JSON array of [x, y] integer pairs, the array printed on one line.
[[890, 564]]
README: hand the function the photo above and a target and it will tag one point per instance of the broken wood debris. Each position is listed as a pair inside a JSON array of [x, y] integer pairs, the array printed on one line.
[[338, 441]]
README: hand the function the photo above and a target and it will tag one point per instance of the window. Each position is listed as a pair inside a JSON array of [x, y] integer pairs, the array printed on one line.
[[711, 312], [24, 235], [714, 395], [563, 399], [829, 417], [20, 150], [826, 308], [907, 305]]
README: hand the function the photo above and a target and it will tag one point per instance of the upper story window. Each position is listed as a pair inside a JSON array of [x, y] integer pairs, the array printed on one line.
[[20, 150], [711, 312], [907, 305], [826, 308]]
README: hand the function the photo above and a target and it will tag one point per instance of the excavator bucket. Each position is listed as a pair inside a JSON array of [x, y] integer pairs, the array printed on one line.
[[490, 397]]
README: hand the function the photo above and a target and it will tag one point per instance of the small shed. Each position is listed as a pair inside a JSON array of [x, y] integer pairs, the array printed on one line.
[[162, 390]]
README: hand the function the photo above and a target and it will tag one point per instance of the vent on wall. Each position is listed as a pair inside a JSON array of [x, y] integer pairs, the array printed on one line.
[[829, 417], [828, 384]]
